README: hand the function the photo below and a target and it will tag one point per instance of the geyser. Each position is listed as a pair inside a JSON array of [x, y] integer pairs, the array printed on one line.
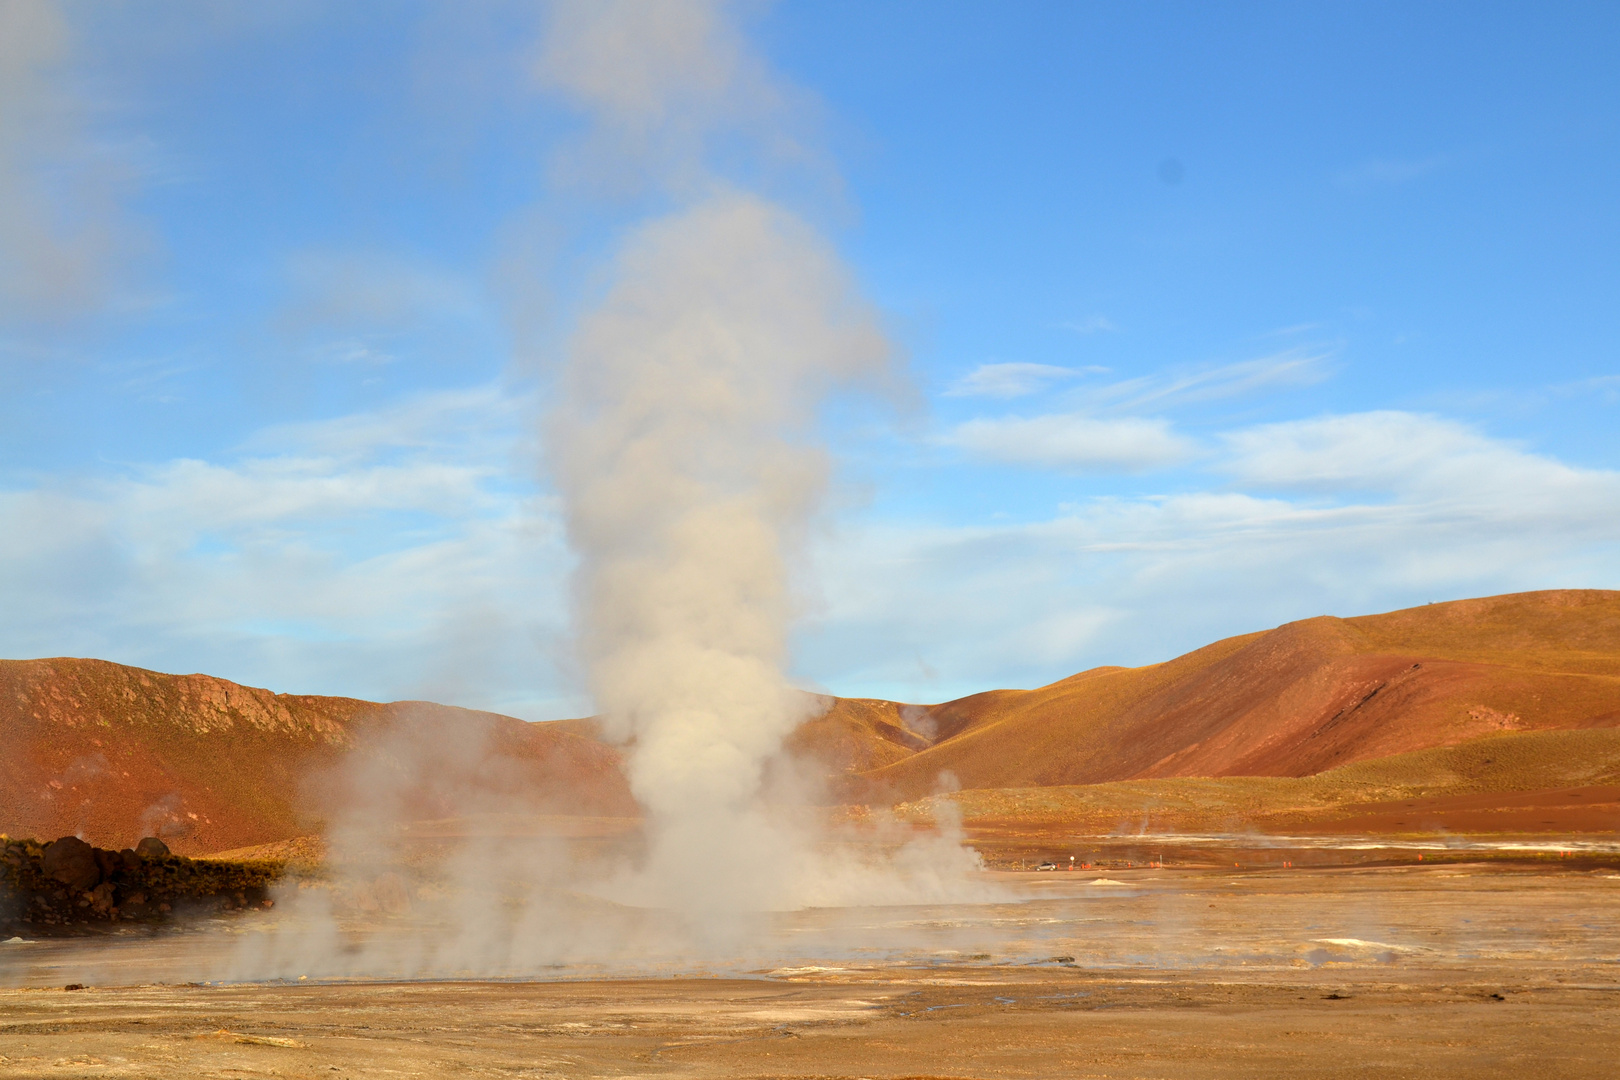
[[682, 443], [683, 440]]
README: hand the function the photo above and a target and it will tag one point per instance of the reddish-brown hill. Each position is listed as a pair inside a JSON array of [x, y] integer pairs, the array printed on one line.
[[1293, 701], [114, 753]]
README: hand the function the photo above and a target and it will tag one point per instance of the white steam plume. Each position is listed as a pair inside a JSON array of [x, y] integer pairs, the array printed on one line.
[[680, 444], [683, 445], [660, 83]]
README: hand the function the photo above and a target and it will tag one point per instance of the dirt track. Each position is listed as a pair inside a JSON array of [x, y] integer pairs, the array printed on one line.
[[1457, 971]]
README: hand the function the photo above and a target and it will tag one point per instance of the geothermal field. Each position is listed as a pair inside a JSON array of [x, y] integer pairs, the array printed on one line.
[[1452, 971], [1133, 872], [867, 540]]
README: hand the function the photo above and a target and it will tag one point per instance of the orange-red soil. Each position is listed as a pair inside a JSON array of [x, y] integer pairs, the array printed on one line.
[[114, 753], [1293, 701]]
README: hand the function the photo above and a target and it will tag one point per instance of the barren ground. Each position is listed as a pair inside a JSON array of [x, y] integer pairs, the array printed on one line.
[[1456, 970]]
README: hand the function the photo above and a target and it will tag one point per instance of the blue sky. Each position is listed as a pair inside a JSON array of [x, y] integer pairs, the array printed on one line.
[[1215, 316]]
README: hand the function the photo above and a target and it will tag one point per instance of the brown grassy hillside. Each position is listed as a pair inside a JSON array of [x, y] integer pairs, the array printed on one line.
[[115, 753], [857, 735], [1549, 782], [1294, 701]]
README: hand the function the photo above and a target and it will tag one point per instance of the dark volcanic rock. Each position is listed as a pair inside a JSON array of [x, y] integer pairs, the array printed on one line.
[[72, 862], [69, 882], [151, 848]]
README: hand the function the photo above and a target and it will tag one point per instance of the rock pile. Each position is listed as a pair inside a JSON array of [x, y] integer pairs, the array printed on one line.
[[68, 881]]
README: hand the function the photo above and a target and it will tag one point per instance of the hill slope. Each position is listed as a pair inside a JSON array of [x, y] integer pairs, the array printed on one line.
[[1293, 701], [115, 753], [1535, 782]]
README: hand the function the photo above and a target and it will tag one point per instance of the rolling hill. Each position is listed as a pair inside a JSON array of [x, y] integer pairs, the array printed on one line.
[[114, 752], [1298, 700]]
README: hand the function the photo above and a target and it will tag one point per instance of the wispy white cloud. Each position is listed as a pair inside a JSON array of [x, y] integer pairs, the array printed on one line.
[[370, 309], [1092, 324], [1374, 451], [1012, 380], [1364, 513], [1289, 368], [1419, 460], [1074, 442], [1606, 387], [347, 289], [148, 378], [397, 553], [1292, 330], [403, 552], [477, 423], [1097, 438], [1390, 172]]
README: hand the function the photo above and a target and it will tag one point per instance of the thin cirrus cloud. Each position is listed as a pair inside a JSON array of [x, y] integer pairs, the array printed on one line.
[[1012, 380], [363, 308], [1081, 442], [1390, 172], [345, 288], [1604, 387], [1074, 442], [1095, 324], [1302, 366], [472, 423]]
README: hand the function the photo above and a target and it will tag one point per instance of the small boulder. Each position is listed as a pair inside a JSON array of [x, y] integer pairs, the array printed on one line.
[[137, 907], [72, 862], [101, 898], [151, 848]]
